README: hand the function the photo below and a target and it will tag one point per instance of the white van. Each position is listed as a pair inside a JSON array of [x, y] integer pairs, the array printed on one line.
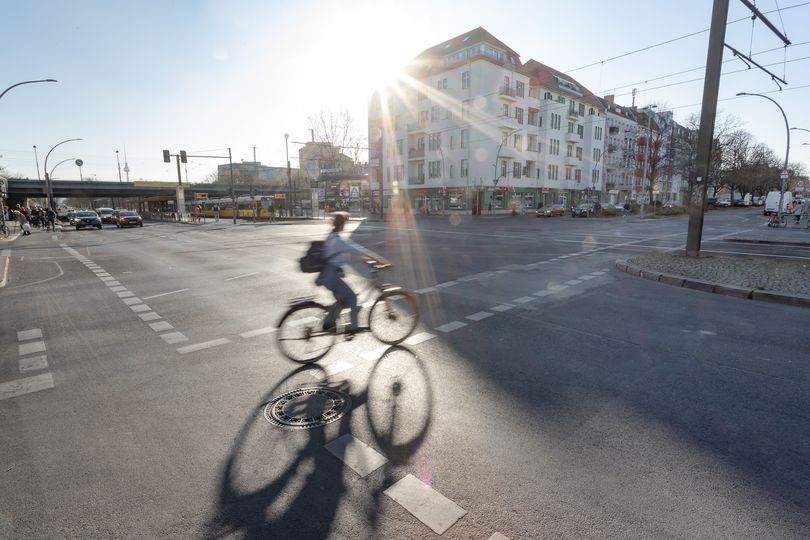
[[772, 202]]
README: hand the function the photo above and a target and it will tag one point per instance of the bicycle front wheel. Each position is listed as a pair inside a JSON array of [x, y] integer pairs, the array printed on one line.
[[393, 316], [301, 336]]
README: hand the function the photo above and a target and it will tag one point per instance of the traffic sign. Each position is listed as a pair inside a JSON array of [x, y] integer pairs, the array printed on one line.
[[784, 175]]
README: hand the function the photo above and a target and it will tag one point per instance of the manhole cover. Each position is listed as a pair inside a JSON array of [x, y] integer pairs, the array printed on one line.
[[306, 408]]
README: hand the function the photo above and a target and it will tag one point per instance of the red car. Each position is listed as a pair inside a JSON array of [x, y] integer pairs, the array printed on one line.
[[128, 218]]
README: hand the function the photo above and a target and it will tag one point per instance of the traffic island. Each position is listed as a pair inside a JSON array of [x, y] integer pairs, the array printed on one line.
[[782, 281]]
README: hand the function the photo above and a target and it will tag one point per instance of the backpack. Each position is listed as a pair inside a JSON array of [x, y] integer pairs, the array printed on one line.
[[314, 260]]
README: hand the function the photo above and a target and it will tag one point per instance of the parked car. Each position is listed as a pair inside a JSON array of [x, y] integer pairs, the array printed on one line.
[[711, 201], [87, 218], [759, 201], [550, 211], [106, 215], [723, 203], [741, 202], [70, 217], [128, 218], [585, 209]]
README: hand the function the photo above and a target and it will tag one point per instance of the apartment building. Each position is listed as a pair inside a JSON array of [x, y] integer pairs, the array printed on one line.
[[473, 126], [620, 150]]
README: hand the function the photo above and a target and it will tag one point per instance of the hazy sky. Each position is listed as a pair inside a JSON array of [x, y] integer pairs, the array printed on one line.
[[207, 75]]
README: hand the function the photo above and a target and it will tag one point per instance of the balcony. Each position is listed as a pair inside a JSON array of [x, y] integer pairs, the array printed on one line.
[[416, 153], [572, 136], [416, 126], [572, 161], [573, 114], [416, 179], [507, 92]]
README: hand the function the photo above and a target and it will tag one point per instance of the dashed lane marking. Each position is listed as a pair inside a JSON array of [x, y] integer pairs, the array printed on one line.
[[112, 283], [31, 347], [27, 385], [573, 282], [421, 337], [543, 293], [151, 316], [426, 290], [104, 275], [204, 345], [108, 278], [160, 326], [523, 300], [118, 288], [132, 301], [481, 315], [173, 337], [586, 278], [556, 288], [138, 308], [598, 273], [165, 294], [125, 294], [446, 284], [425, 503], [451, 326], [501, 307], [356, 454], [258, 332], [242, 276], [33, 363], [25, 335]]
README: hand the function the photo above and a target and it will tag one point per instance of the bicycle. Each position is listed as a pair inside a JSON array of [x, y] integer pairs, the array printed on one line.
[[305, 336], [4, 232], [777, 219]]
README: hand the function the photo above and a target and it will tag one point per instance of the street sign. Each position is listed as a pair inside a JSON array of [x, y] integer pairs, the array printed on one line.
[[201, 195], [79, 163], [784, 175]]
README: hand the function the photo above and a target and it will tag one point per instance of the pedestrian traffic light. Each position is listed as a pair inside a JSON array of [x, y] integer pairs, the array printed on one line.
[[183, 156], [166, 157]]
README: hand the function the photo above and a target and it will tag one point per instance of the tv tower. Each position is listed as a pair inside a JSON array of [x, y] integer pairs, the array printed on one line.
[[126, 165]]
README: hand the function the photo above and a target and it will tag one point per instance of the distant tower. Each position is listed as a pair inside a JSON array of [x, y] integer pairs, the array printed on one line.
[[126, 165], [633, 105]]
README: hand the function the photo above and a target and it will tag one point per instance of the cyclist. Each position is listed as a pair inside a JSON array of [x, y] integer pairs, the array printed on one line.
[[336, 252]]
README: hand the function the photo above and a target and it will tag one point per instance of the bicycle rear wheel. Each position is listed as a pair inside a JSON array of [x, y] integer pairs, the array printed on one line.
[[394, 316], [301, 336]]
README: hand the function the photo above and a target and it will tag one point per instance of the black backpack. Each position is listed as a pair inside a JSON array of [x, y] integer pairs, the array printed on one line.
[[315, 259]]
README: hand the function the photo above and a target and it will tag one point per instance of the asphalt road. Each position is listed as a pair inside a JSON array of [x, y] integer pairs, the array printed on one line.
[[545, 394]]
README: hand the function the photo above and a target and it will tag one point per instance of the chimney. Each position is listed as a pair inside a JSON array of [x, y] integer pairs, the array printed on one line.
[[610, 98]]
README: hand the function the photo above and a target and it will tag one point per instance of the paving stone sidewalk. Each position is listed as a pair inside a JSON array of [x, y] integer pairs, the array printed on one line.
[[754, 273]]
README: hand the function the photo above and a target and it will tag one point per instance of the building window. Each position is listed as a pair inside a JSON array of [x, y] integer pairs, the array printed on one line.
[[519, 114], [506, 82], [434, 169], [423, 118], [464, 138], [554, 147], [578, 175], [570, 127], [579, 153], [506, 110], [582, 109], [435, 113], [597, 133], [555, 121], [548, 95], [590, 111], [434, 141], [518, 142], [520, 89], [552, 172], [597, 153], [595, 176], [570, 150], [533, 117], [451, 170], [561, 99], [568, 173], [448, 114], [465, 109], [503, 167], [420, 96], [580, 131], [465, 80], [516, 169], [464, 168], [441, 84], [451, 141]]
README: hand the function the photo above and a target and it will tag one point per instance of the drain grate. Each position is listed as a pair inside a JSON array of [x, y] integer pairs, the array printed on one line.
[[306, 408]]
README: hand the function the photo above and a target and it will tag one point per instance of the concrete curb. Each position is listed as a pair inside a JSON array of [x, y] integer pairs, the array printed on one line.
[[712, 287], [774, 242]]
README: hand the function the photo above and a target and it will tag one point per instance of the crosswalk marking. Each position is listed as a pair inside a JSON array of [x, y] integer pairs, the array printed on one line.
[[173, 337], [258, 332], [451, 326], [425, 503], [356, 454], [33, 363], [523, 300], [151, 316], [481, 315], [543, 293], [204, 345], [421, 337], [27, 385], [31, 347], [501, 307], [138, 308], [34, 333], [160, 326], [131, 301]]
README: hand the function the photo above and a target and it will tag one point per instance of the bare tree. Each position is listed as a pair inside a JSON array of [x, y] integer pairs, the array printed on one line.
[[340, 131]]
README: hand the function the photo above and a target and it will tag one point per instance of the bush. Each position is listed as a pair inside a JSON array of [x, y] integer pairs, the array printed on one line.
[[610, 212]]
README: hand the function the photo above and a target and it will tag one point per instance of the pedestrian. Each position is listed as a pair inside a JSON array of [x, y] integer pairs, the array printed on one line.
[[797, 210], [216, 212], [489, 208], [50, 219], [626, 208], [23, 221]]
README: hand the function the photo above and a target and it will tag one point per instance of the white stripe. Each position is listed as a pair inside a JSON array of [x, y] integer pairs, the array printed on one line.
[[108, 278], [151, 316], [26, 386], [556, 288], [258, 332], [173, 337], [204, 345], [305, 320], [337, 367], [425, 290], [137, 308], [33, 363], [481, 315], [421, 337], [451, 326], [523, 300], [543, 293], [447, 284], [112, 283], [573, 282], [125, 294], [585, 278], [160, 326], [375, 354], [356, 454], [24, 335], [498, 536], [118, 288], [502, 307], [131, 301], [600, 273], [425, 503], [243, 275], [31, 347], [103, 275], [165, 294]]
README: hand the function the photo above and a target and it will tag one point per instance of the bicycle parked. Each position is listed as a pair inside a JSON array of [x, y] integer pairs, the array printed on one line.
[[306, 333]]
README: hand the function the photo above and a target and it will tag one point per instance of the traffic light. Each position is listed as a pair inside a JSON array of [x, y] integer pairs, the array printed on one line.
[[166, 157], [183, 156]]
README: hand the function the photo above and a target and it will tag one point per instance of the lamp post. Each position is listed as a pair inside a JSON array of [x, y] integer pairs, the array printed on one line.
[[289, 175], [646, 154], [118, 161], [63, 161], [48, 185], [36, 159], [25, 82], [783, 175]]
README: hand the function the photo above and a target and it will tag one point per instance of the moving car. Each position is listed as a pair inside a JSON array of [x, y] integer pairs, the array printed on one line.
[[86, 218], [128, 218], [585, 209], [106, 215], [550, 211]]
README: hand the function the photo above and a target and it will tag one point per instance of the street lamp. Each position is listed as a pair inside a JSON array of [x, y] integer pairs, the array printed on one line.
[[289, 176], [36, 159], [783, 175], [25, 82], [48, 185], [118, 160], [63, 161]]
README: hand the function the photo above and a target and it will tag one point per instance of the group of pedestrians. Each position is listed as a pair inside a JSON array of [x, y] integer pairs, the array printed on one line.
[[36, 217]]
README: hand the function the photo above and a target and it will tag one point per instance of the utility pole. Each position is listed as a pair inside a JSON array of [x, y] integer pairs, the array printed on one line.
[[289, 175], [711, 86], [36, 158], [233, 196], [181, 195]]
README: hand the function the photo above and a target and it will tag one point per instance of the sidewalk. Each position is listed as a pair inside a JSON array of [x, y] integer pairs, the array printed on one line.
[[791, 235]]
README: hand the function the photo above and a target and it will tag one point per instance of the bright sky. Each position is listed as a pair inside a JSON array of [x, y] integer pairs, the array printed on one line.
[[211, 74]]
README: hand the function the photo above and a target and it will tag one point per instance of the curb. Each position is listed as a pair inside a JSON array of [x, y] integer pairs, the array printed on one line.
[[713, 287], [774, 242]]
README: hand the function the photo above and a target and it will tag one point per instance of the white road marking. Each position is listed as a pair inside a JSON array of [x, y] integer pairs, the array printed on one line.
[[5, 272], [426, 290], [523, 300], [118, 288], [564, 256], [305, 320], [356, 454], [501, 271], [707, 333], [5, 253], [25, 335], [573, 282], [165, 294], [151, 316], [160, 326], [31, 347], [138, 308], [33, 363], [585, 278], [258, 332], [543, 293], [108, 278], [104, 275], [204, 345], [605, 269], [498, 536], [374, 354], [451, 326], [125, 294], [98, 270], [173, 337], [112, 283], [337, 367], [502, 307], [242, 276], [132, 301], [26, 386], [421, 337], [599, 273], [556, 288], [481, 315], [426, 504], [446, 284]]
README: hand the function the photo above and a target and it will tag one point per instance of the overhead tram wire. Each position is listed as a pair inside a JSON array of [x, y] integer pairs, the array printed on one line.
[[673, 40], [740, 97]]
